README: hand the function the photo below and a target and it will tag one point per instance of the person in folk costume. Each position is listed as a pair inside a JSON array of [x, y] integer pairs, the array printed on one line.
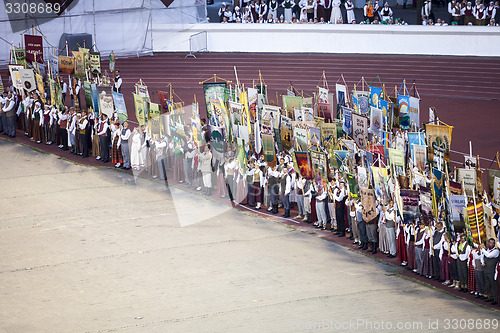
[[190, 154], [477, 261], [288, 5], [496, 13], [390, 226], [205, 160], [37, 125], [372, 229], [96, 145], [355, 233], [376, 9], [285, 188], [83, 133], [71, 128], [136, 160], [241, 186], [178, 163], [453, 265], [383, 241], [469, 13], [262, 11], [331, 204], [310, 7], [456, 13], [147, 150], [445, 260], [409, 231], [437, 241], [273, 8], [221, 12], [254, 11], [336, 14], [299, 195], [237, 15], [419, 246], [228, 14], [471, 276], [349, 7], [29, 105], [125, 134], [46, 124], [63, 125], [368, 11], [320, 207], [363, 236], [491, 271], [386, 13], [247, 16], [323, 9], [426, 269], [102, 136], [480, 14], [402, 248], [229, 169], [427, 10], [462, 263], [340, 196], [221, 178], [256, 186]]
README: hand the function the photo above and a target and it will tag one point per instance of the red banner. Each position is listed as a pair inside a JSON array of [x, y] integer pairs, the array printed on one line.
[[34, 48]]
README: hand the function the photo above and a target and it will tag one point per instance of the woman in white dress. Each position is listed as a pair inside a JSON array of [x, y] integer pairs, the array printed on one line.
[[136, 158], [336, 14], [349, 6]]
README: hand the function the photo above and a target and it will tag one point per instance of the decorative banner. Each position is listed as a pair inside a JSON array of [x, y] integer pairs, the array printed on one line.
[[437, 179], [397, 160], [318, 160], [386, 138], [235, 113], [415, 138], [455, 188], [304, 164], [341, 94], [322, 96], [359, 129], [314, 136], [53, 91], [245, 120], [166, 105], [355, 105], [34, 48], [369, 211], [139, 109], [271, 113], [328, 134], [1, 84], [352, 185], [120, 107], [268, 147], [376, 121], [492, 173], [380, 183], [277, 137], [217, 142], [28, 79], [88, 93], [286, 132], [39, 84], [290, 103], [363, 105], [467, 177], [403, 103], [95, 63], [242, 157], [257, 138], [419, 156], [213, 90], [414, 111], [476, 222], [347, 121], [19, 56], [426, 204], [218, 117], [252, 103], [79, 64], [362, 176], [384, 106], [15, 74], [496, 193], [410, 200], [457, 205], [378, 155], [66, 65], [339, 158], [106, 104], [54, 65], [300, 138], [375, 96], [438, 141], [95, 98], [490, 229]]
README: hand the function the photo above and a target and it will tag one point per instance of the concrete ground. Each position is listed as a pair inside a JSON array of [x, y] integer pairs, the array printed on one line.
[[88, 249]]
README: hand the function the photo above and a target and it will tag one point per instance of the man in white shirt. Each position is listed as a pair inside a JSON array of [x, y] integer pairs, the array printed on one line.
[[339, 196], [390, 225], [9, 112], [102, 132], [125, 135], [463, 259], [82, 127], [117, 86], [286, 187], [490, 255]]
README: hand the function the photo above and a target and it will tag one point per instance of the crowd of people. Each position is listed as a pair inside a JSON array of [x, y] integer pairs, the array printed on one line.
[[337, 12], [428, 249]]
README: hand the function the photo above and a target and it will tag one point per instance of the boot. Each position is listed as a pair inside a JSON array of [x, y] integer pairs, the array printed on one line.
[[374, 248], [275, 209], [209, 191], [369, 246], [308, 218], [287, 213], [365, 246]]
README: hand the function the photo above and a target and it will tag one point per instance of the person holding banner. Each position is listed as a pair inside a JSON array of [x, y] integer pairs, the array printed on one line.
[[63, 124], [124, 144], [37, 125], [116, 152], [102, 133], [206, 169], [491, 256], [285, 187], [8, 113], [463, 258], [340, 196], [320, 205], [84, 131], [390, 227], [117, 86]]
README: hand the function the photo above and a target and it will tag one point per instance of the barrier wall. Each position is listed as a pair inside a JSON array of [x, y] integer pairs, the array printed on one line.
[[309, 38]]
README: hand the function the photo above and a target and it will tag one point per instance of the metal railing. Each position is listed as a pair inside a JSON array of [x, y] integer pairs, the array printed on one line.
[[197, 43]]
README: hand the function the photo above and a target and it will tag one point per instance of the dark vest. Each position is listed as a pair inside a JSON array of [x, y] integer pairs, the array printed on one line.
[[490, 265]]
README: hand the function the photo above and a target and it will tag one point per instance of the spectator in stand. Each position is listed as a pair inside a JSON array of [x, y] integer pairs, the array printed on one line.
[[262, 11], [288, 5], [273, 8], [451, 6], [270, 19], [480, 14], [228, 14], [237, 16], [386, 12], [368, 12], [349, 7], [496, 12], [468, 13], [376, 9], [336, 13], [222, 9], [253, 11], [456, 13], [310, 7], [490, 11], [427, 10], [247, 16]]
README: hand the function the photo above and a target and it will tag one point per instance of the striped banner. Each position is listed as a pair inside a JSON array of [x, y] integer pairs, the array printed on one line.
[[476, 224]]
